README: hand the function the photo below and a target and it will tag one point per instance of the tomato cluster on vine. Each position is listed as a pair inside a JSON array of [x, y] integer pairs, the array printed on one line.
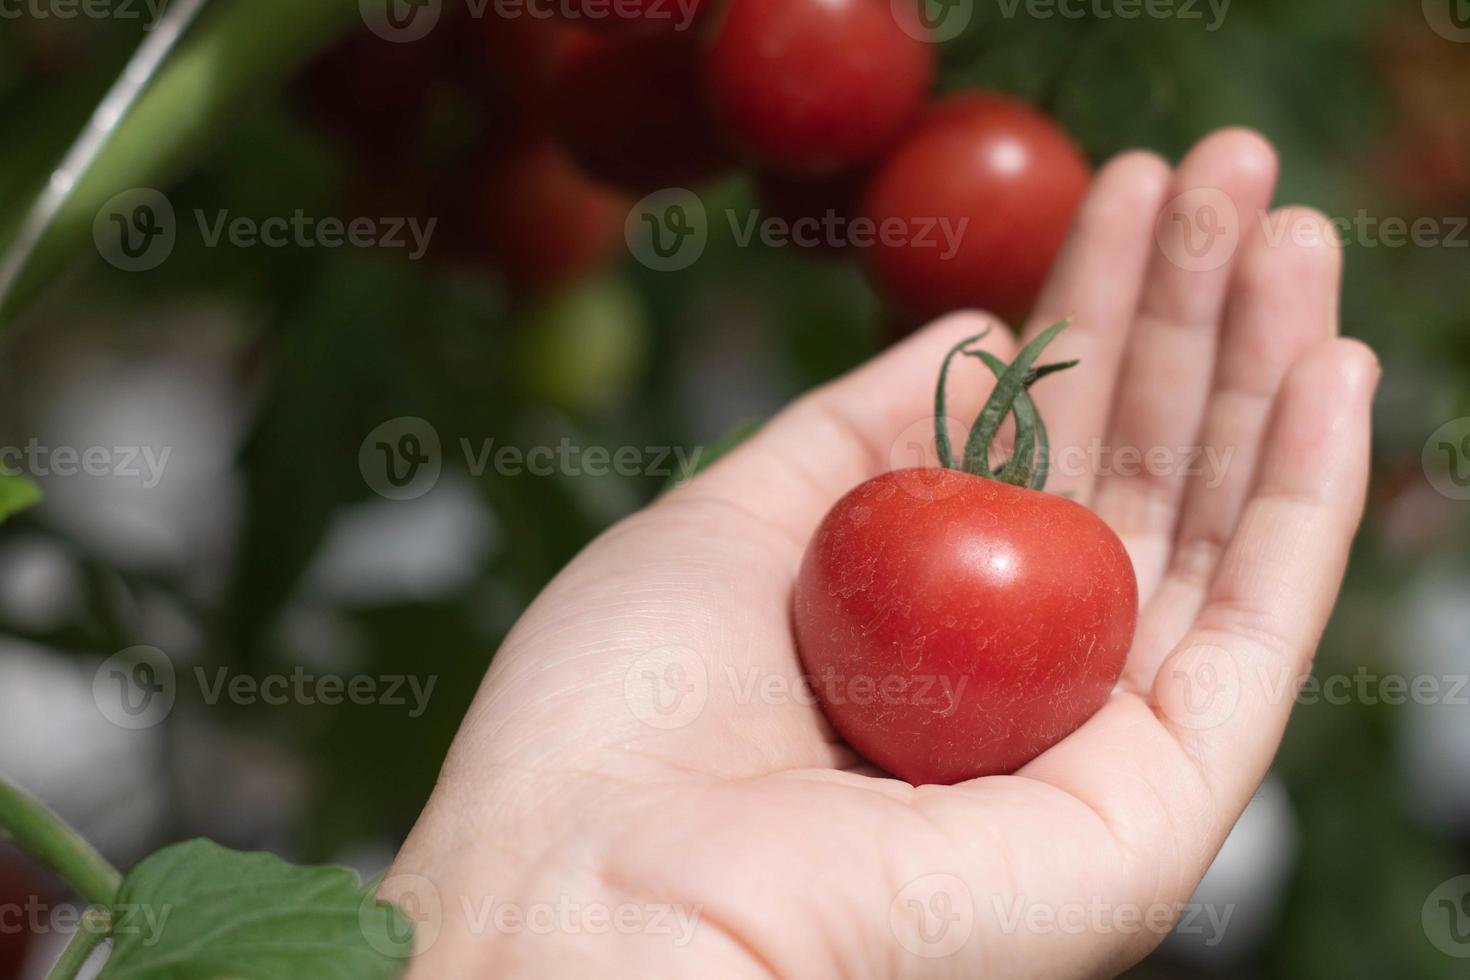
[[829, 106]]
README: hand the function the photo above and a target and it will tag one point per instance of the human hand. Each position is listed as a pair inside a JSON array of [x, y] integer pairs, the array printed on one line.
[[641, 743]]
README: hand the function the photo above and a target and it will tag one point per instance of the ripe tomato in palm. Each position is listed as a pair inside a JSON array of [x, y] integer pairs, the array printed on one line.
[[955, 625], [632, 112], [636, 16], [815, 86], [1009, 181], [542, 222]]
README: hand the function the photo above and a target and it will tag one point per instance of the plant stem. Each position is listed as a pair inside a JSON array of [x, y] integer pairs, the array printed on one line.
[[1002, 402], [35, 827], [941, 410], [239, 52], [95, 925]]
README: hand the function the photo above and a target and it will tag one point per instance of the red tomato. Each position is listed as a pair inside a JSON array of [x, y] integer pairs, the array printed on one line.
[[632, 112], [957, 627], [814, 86], [542, 222], [1009, 173], [635, 16], [26, 897], [374, 93], [509, 65]]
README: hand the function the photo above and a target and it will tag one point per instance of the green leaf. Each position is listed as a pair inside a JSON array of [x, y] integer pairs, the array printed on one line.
[[201, 910], [17, 493]]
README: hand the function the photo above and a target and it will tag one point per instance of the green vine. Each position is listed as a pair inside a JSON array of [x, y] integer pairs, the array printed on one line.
[[34, 826]]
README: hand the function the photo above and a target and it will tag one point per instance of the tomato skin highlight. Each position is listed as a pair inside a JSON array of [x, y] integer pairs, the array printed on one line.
[[1011, 174], [955, 627]]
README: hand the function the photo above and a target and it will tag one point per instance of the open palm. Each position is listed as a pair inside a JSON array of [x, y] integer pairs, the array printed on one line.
[[643, 745]]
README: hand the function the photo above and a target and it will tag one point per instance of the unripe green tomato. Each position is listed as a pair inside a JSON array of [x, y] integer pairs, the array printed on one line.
[[584, 348]]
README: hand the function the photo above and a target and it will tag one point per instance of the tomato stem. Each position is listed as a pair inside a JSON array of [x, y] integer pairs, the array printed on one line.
[[941, 413], [1029, 464]]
